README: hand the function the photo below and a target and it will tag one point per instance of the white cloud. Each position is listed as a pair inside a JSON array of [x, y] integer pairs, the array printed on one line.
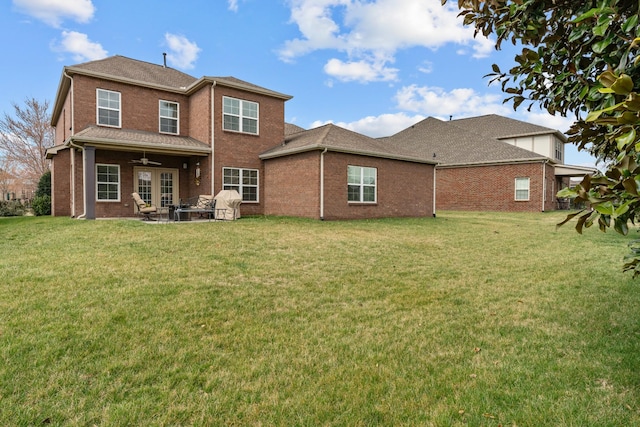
[[233, 5], [79, 45], [368, 31], [426, 67], [362, 71], [53, 12], [377, 126], [182, 52], [460, 102]]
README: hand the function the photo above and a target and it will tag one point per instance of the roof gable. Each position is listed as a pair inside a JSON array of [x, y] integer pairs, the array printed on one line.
[[338, 139], [141, 73], [135, 71]]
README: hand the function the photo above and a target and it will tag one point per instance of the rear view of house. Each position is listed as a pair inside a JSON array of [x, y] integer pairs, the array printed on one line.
[[125, 126]]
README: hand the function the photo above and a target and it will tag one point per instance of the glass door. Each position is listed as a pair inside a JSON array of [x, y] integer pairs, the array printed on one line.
[[157, 186]]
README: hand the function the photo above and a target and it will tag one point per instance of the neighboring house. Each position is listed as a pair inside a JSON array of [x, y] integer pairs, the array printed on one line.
[[126, 126], [492, 163], [14, 187]]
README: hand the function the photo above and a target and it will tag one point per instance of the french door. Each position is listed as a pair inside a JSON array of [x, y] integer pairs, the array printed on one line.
[[156, 186]]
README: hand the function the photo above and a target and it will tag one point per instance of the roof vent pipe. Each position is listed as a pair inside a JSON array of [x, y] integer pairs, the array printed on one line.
[[164, 54]]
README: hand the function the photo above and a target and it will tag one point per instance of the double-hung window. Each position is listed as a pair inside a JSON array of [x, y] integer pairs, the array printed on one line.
[[244, 181], [361, 184], [559, 148], [108, 183], [108, 110], [522, 189], [169, 117], [239, 115]]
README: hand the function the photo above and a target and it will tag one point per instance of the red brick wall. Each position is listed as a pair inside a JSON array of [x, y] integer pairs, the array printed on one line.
[[63, 126], [292, 185], [61, 184], [551, 189], [404, 189], [139, 106], [492, 188], [200, 115], [240, 150]]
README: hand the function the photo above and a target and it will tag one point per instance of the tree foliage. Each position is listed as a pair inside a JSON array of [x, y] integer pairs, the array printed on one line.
[[580, 58], [26, 135], [44, 185]]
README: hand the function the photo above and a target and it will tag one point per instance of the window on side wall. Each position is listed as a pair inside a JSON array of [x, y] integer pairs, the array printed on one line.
[[108, 110], [559, 146], [108, 183], [169, 117], [244, 181], [361, 184], [522, 189], [239, 115]]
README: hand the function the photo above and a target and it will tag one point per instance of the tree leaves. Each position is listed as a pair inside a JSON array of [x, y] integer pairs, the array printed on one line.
[[579, 59]]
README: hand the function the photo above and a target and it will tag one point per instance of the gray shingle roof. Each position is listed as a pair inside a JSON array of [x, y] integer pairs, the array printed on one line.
[[453, 145], [128, 138], [137, 71], [133, 71], [290, 128], [335, 138], [501, 127]]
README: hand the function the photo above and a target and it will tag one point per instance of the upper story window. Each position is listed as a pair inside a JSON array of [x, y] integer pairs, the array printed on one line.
[[522, 189], [108, 108], [239, 115], [559, 146], [169, 117], [361, 184]]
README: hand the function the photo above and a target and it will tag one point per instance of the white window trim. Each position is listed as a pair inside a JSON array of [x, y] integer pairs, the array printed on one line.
[[515, 195], [559, 150], [99, 182], [98, 108], [240, 185], [362, 185], [160, 117], [240, 116]]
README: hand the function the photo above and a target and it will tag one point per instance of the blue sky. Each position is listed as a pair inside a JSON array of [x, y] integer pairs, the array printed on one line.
[[372, 66]]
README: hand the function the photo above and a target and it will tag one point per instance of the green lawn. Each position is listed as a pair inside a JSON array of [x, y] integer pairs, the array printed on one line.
[[461, 320]]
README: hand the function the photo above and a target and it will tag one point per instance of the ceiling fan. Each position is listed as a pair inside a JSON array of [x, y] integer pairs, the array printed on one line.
[[145, 161]]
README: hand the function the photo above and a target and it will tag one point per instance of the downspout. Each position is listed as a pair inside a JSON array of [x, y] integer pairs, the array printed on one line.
[[213, 138], [73, 157], [544, 183], [434, 191], [322, 184], [73, 178]]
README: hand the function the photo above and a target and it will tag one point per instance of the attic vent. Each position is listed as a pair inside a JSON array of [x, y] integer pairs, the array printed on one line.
[[164, 54]]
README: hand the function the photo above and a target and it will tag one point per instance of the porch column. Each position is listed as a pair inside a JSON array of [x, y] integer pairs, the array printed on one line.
[[89, 182]]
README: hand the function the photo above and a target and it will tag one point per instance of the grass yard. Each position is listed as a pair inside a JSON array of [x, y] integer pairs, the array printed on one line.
[[463, 320]]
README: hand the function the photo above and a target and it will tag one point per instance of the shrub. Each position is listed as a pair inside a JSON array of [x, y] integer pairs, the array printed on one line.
[[44, 185], [41, 205], [11, 208]]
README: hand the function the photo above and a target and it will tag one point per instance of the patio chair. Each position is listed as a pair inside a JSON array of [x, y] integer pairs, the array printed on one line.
[[144, 210]]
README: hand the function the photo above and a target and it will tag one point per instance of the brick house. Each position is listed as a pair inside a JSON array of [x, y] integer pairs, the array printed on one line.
[[492, 163], [124, 126]]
